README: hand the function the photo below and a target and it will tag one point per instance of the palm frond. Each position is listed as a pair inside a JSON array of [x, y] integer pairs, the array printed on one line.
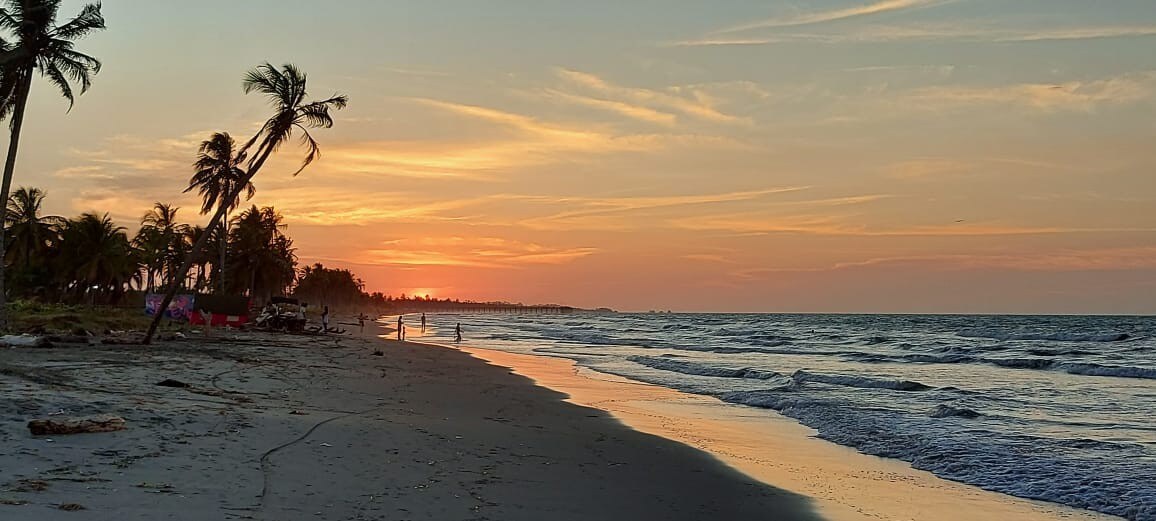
[[313, 150], [56, 77], [89, 20]]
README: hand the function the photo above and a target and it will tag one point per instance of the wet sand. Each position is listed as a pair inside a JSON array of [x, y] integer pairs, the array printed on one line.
[[281, 427], [844, 484]]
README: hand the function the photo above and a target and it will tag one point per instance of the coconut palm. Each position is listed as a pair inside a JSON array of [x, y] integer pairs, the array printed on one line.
[[217, 175], [191, 236], [31, 238], [264, 262], [38, 44], [292, 114], [95, 257], [161, 244], [29, 233]]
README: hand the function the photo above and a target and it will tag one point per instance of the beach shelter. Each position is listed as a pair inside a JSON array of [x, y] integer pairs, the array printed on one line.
[[223, 310]]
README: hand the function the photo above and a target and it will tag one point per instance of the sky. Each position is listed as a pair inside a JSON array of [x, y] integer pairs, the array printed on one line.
[[907, 156]]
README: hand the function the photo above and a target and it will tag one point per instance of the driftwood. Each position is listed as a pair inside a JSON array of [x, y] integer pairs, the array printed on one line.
[[24, 341], [76, 425]]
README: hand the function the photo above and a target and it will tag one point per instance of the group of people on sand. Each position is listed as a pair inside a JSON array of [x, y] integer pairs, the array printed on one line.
[[401, 328], [274, 310]]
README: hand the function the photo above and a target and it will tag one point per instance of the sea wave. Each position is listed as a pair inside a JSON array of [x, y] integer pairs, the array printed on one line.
[[1066, 471], [947, 411], [692, 368], [864, 382], [1090, 369], [996, 334]]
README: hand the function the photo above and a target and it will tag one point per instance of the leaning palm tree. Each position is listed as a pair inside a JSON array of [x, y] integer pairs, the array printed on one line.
[[218, 175], [38, 44], [292, 114]]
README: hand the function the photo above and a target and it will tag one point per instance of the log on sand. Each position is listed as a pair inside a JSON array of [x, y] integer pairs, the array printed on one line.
[[76, 425]]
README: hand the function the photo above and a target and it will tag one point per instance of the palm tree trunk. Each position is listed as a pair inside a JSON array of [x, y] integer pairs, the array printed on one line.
[[9, 167], [224, 240], [263, 154]]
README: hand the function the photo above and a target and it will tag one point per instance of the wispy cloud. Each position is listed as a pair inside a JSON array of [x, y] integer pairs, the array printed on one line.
[[851, 225], [620, 107], [687, 101], [1084, 96], [605, 213], [1059, 260], [409, 71], [477, 252], [818, 17], [930, 32]]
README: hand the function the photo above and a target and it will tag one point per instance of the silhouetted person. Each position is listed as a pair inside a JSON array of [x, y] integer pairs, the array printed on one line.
[[458, 333], [423, 323], [325, 319], [361, 322], [400, 329], [208, 318]]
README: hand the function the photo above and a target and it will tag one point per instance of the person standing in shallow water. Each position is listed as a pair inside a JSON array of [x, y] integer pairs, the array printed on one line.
[[400, 329], [325, 319], [458, 333], [423, 323]]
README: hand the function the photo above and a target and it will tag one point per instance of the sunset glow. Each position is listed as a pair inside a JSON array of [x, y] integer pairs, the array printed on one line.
[[739, 156]]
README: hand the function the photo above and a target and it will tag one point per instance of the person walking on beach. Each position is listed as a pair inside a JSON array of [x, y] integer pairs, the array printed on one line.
[[400, 329], [325, 319], [458, 333], [423, 323], [361, 322]]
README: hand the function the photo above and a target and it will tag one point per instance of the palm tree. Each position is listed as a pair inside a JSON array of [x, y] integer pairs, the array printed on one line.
[[31, 238], [191, 236], [95, 256], [29, 233], [264, 262], [217, 176], [292, 113], [39, 45], [160, 241]]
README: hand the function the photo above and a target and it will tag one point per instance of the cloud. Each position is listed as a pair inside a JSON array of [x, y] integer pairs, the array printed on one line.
[[421, 73], [935, 168], [1083, 96], [605, 213], [689, 101], [709, 257], [476, 252], [878, 7], [852, 226], [625, 109], [928, 32], [1063, 260], [339, 206]]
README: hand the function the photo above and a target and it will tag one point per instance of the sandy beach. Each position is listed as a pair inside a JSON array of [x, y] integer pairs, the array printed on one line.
[[843, 484], [284, 427]]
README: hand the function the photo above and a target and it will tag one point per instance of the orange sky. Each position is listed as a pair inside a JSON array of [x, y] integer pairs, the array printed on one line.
[[839, 155]]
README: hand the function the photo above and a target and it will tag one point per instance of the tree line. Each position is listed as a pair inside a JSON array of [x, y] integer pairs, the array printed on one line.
[[92, 259], [32, 41]]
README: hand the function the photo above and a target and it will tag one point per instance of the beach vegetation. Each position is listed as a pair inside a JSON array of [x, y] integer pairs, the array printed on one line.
[[294, 113], [32, 42]]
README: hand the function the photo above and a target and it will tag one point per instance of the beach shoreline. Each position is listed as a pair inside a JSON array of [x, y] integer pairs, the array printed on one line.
[[844, 484], [287, 427]]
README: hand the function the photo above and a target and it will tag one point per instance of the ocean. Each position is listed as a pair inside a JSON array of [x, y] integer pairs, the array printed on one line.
[[1054, 408]]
